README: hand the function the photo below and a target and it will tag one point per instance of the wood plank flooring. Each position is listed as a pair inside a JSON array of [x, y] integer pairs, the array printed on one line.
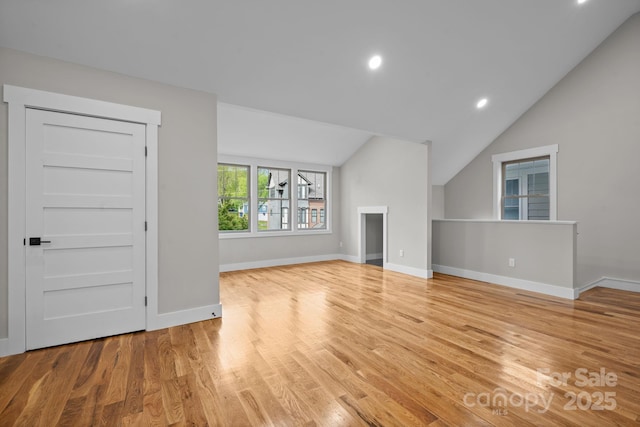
[[341, 344]]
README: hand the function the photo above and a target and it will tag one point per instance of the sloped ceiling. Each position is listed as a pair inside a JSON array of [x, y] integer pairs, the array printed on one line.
[[308, 59], [254, 133]]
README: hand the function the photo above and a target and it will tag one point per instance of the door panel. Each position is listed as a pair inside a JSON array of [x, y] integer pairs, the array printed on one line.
[[86, 196]]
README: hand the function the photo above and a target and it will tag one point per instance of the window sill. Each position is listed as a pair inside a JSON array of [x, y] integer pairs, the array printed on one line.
[[251, 235]]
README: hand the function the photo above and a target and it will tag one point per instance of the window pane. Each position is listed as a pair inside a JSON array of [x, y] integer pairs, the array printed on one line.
[[320, 206], [285, 218], [303, 187], [538, 208], [512, 187], [273, 214], [538, 183], [511, 202], [541, 165], [273, 199], [273, 183], [233, 197], [313, 182], [233, 181], [311, 199], [511, 212], [526, 189], [303, 218]]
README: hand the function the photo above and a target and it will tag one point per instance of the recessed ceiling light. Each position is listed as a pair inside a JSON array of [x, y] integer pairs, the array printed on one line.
[[582, 1], [375, 62], [482, 103]]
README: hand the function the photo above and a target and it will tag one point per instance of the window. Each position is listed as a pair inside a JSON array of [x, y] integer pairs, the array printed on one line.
[[525, 194], [273, 199], [259, 198], [311, 198], [233, 197], [525, 184]]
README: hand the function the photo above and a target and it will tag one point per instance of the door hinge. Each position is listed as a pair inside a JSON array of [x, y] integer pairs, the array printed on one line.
[[24, 242], [145, 151], [145, 301], [145, 226]]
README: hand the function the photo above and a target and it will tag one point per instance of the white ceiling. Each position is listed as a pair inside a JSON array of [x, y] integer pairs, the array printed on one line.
[[246, 132], [308, 59]]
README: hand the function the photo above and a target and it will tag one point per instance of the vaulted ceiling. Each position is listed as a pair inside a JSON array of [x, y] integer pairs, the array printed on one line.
[[308, 59]]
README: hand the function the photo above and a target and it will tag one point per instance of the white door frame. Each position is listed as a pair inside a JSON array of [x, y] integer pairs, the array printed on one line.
[[19, 99], [362, 230]]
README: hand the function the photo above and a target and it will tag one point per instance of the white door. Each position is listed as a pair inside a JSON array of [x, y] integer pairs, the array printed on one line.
[[85, 203]]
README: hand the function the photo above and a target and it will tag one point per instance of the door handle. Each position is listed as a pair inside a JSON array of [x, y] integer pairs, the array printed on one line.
[[36, 241]]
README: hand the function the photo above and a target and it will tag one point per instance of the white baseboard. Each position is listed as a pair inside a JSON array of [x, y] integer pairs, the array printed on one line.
[[350, 258], [608, 282], [182, 317], [511, 282], [374, 256], [278, 262], [161, 321], [411, 271], [165, 320]]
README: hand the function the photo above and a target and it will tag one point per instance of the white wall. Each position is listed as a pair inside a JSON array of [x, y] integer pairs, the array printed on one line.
[[393, 173], [593, 114], [188, 239], [544, 252]]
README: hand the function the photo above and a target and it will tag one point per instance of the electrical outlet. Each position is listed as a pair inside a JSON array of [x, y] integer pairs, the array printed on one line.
[[512, 262], [401, 252], [340, 244]]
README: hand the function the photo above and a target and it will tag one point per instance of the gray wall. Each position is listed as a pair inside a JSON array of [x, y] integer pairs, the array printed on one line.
[[374, 237], [437, 201], [256, 249], [593, 114], [543, 252], [188, 238], [393, 173]]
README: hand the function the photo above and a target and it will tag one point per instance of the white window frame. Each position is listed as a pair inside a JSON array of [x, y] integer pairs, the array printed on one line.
[[294, 167], [498, 159]]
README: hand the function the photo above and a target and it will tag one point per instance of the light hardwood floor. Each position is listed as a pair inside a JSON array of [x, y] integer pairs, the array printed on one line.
[[338, 344]]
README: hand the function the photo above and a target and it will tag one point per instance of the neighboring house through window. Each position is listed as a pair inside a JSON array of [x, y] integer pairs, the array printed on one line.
[[311, 198], [273, 199], [525, 184]]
